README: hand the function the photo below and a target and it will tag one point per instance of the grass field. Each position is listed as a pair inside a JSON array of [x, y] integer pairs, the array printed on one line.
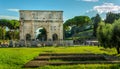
[[15, 58]]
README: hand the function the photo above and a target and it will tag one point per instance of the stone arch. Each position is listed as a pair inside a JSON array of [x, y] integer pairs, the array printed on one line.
[[55, 37], [28, 36], [51, 20]]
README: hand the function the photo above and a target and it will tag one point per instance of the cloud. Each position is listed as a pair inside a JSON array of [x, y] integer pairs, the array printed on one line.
[[91, 10], [107, 7], [90, 0], [8, 17], [103, 9], [13, 10]]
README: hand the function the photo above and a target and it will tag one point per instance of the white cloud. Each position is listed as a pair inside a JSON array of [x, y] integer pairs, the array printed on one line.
[[89, 10], [8, 17], [91, 0], [107, 7], [14, 10]]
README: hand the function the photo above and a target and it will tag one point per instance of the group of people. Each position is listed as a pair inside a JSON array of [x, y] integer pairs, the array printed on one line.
[[20, 43], [4, 43]]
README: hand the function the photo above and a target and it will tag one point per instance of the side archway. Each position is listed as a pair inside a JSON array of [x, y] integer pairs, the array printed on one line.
[[28, 37], [55, 37]]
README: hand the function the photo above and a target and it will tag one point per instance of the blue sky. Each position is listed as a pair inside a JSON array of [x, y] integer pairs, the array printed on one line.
[[10, 8]]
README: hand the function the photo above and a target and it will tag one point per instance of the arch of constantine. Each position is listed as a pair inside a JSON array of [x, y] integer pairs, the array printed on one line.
[[51, 21]]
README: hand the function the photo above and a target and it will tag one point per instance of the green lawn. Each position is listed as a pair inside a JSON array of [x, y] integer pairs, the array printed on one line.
[[15, 58]]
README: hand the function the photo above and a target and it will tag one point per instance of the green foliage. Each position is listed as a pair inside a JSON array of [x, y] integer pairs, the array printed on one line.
[[116, 35], [95, 20], [83, 35], [111, 17], [77, 21], [69, 22], [116, 32], [104, 34], [13, 26], [42, 31], [75, 25], [109, 35], [4, 22], [81, 20], [42, 35], [2, 32]]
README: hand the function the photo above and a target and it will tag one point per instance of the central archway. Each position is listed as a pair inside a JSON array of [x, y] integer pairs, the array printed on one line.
[[41, 34], [55, 37]]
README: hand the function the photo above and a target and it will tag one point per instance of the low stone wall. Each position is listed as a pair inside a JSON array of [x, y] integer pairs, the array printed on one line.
[[50, 43], [36, 43]]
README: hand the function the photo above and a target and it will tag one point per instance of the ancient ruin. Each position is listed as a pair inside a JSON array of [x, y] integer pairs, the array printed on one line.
[[33, 20]]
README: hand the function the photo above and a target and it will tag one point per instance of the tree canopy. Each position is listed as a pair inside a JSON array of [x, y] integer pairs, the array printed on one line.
[[72, 26], [95, 20], [109, 35], [42, 36], [78, 21], [111, 17], [11, 25]]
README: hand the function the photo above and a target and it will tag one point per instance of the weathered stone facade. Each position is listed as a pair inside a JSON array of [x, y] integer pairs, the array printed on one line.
[[31, 20]]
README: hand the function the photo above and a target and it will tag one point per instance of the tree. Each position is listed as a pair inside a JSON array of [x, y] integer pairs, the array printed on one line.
[[0, 33], [7, 36], [13, 26], [74, 24], [16, 34], [74, 30], [111, 17], [42, 35], [96, 20], [3, 24], [104, 34], [109, 35], [69, 22], [3, 33], [116, 35], [81, 20], [77, 21]]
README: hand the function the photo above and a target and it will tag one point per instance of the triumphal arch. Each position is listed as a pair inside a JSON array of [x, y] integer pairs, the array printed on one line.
[[51, 21]]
